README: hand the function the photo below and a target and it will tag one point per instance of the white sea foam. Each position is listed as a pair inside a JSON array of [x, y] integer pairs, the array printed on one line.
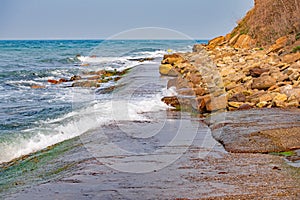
[[73, 124], [88, 59]]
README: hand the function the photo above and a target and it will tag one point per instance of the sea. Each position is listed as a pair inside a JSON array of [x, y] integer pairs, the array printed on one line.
[[38, 117]]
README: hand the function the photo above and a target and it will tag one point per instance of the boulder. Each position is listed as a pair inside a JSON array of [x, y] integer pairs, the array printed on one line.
[[85, 84], [245, 42], [171, 101], [291, 58], [257, 71], [266, 97], [263, 83], [199, 91], [167, 70], [75, 78], [279, 44], [239, 97], [215, 42], [53, 81], [216, 103], [198, 48], [172, 59], [279, 100], [262, 104], [37, 86]]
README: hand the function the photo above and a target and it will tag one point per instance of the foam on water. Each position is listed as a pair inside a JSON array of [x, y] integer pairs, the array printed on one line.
[[73, 124], [50, 109]]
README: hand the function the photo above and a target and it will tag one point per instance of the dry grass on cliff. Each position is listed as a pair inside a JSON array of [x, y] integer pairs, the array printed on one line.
[[271, 19]]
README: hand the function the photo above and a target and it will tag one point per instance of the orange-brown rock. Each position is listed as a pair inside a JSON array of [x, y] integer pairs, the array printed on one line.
[[53, 81], [279, 44], [85, 84], [172, 59], [291, 58], [215, 42], [167, 70], [215, 103], [37, 86], [171, 101], [263, 83], [75, 78], [245, 41], [239, 97], [257, 71]]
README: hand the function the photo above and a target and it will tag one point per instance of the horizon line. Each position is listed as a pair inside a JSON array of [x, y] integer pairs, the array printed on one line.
[[36, 39]]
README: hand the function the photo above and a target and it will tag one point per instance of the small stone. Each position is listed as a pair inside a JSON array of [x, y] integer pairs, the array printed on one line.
[[280, 97], [262, 104], [235, 104]]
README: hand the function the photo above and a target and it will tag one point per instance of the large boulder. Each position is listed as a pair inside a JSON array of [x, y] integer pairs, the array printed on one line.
[[215, 103], [198, 48], [262, 83], [279, 44], [167, 70], [172, 59], [171, 101], [215, 42], [291, 58], [245, 41]]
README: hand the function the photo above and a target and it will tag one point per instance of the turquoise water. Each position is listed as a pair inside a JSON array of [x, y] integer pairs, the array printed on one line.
[[32, 119]]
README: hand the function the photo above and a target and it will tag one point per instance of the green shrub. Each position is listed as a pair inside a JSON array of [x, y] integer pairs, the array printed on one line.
[[296, 49], [297, 36]]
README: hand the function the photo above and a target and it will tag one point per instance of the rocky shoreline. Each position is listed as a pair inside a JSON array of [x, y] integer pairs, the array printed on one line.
[[221, 77]]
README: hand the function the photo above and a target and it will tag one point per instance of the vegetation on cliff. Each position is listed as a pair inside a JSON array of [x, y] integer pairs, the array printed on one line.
[[270, 20]]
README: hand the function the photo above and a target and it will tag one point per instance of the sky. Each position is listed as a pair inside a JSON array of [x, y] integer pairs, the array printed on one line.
[[102, 19]]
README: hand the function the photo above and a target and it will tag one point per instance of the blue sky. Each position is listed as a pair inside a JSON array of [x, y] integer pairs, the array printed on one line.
[[100, 19]]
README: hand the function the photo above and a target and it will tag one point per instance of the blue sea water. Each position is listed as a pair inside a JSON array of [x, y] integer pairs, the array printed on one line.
[[32, 119]]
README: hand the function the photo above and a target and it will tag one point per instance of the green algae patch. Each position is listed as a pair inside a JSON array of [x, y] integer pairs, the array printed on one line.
[[36, 167]]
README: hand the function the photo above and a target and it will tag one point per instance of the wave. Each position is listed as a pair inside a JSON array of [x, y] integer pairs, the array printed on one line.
[[23, 83], [67, 60], [76, 123]]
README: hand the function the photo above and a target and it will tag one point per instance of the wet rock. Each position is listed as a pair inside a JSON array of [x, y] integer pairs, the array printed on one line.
[[86, 84], [53, 81], [37, 86], [94, 77], [171, 101], [141, 59], [75, 78]]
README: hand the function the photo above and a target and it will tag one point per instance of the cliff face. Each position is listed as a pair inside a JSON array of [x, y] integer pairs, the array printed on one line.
[[269, 20]]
